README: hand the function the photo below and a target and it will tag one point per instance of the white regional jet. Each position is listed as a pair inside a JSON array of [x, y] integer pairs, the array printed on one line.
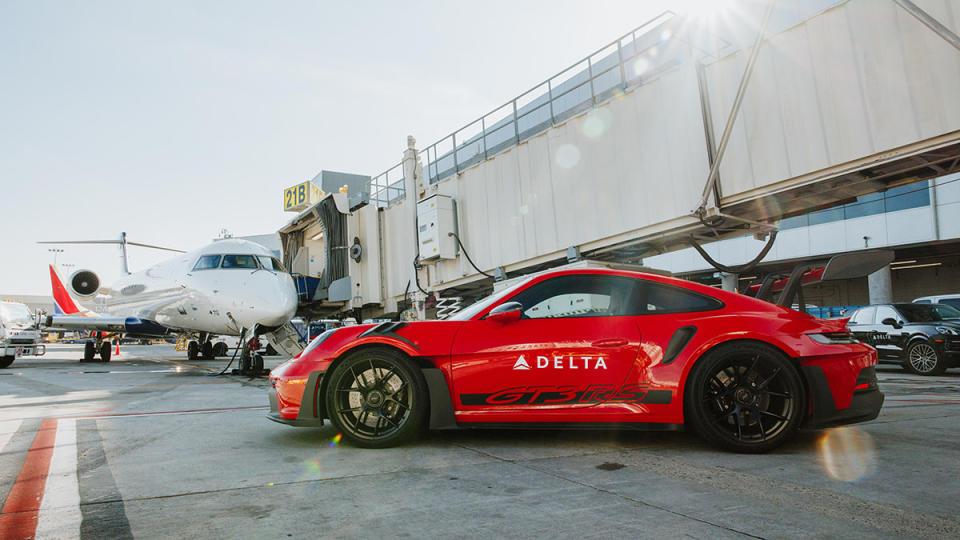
[[230, 287]]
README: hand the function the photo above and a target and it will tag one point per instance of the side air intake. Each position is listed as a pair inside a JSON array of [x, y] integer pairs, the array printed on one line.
[[84, 283]]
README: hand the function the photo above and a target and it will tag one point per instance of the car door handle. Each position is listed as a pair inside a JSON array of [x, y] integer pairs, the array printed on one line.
[[615, 342]]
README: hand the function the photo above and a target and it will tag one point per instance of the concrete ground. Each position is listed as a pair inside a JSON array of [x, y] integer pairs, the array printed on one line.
[[152, 446]]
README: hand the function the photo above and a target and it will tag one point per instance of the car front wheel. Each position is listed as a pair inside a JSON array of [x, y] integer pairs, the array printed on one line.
[[923, 359], [745, 397], [377, 398]]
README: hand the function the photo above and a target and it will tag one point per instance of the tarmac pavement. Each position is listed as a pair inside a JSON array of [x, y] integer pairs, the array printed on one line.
[[152, 446]]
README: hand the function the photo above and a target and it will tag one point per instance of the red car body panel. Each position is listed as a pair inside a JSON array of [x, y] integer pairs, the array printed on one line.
[[584, 369]]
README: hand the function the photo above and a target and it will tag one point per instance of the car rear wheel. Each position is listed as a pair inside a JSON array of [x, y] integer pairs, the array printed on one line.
[[377, 398], [923, 359], [747, 398]]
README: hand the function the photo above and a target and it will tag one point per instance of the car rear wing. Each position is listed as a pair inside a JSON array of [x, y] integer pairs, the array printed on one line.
[[844, 266]]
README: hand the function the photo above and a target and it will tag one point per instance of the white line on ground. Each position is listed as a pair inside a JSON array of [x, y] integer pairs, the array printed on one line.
[[60, 515], [7, 430]]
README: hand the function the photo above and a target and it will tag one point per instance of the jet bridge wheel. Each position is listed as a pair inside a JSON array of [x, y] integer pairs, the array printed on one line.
[[89, 351], [207, 351], [193, 350], [105, 351]]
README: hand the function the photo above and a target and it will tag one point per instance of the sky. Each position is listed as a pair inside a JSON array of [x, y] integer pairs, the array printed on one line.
[[172, 120]]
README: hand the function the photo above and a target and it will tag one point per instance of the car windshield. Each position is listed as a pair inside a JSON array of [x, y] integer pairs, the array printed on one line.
[[470, 311], [928, 312], [15, 314]]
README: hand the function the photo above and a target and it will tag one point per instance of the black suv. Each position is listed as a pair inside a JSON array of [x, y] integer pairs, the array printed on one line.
[[925, 338]]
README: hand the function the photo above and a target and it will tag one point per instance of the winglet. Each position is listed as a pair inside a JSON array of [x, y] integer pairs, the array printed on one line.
[[62, 301]]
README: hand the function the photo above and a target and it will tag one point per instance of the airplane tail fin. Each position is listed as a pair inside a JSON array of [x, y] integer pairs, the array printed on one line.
[[63, 303]]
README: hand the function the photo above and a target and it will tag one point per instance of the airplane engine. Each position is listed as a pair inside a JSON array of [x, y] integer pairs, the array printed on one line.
[[84, 283]]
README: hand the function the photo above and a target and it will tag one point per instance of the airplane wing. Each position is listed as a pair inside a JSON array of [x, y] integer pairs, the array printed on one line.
[[126, 325]]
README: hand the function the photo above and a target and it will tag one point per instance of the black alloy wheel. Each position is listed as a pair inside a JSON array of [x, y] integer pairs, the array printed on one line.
[[923, 358], [745, 397], [377, 398], [89, 351], [193, 350], [207, 350]]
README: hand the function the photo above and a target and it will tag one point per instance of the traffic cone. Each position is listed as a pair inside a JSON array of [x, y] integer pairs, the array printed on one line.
[[118, 347]]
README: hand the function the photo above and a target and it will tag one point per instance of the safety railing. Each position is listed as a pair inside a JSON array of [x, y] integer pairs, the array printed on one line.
[[631, 60], [387, 188]]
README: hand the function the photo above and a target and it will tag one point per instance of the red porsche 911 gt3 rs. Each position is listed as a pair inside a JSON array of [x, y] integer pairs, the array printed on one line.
[[586, 347]]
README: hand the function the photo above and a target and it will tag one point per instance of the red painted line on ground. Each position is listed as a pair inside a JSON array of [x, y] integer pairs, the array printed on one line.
[[18, 519]]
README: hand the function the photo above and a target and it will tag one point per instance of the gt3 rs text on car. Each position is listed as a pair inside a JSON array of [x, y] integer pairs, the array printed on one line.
[[582, 348]]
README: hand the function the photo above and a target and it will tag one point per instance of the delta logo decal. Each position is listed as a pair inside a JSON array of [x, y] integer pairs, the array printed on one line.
[[561, 362]]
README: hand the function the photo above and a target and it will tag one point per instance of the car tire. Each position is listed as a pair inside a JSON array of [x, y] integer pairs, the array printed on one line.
[[745, 397], [105, 351], [220, 349], [922, 358], [6, 361], [207, 350], [377, 398], [193, 350], [89, 351]]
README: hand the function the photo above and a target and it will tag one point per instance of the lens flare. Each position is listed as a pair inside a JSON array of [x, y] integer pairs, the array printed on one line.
[[848, 453], [597, 122], [312, 465], [335, 441], [567, 156], [641, 66]]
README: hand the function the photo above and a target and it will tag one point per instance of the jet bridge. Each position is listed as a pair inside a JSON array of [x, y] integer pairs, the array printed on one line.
[[675, 133]]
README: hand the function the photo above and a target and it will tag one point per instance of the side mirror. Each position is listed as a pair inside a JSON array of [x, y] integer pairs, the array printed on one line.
[[889, 321], [507, 312]]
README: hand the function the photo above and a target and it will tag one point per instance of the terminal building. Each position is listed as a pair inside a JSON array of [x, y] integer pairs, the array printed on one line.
[[832, 123]]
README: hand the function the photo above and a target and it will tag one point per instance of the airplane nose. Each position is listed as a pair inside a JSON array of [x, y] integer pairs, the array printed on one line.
[[283, 304]]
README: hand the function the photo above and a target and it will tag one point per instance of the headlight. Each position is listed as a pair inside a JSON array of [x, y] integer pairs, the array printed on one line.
[[947, 331], [834, 338]]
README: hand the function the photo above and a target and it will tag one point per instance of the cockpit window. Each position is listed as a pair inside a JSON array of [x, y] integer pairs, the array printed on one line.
[[239, 261], [270, 263], [207, 262]]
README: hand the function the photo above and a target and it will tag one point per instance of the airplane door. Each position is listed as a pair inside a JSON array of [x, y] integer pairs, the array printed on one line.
[[572, 350]]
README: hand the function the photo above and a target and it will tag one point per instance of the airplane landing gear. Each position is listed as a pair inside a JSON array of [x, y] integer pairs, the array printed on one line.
[[105, 350], [207, 350], [89, 351], [94, 346], [193, 350], [251, 362]]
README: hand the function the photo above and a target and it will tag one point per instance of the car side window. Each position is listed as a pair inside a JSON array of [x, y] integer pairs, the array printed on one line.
[[239, 261], [887, 312], [590, 295], [656, 298], [863, 315], [952, 302], [207, 262], [922, 302]]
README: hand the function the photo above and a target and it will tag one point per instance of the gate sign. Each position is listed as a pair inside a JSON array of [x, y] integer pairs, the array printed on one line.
[[301, 196]]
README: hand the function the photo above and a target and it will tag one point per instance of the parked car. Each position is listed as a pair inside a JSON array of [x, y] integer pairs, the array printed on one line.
[[925, 338], [952, 300]]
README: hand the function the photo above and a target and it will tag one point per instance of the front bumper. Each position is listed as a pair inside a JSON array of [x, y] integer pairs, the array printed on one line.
[[307, 415], [23, 350], [864, 406]]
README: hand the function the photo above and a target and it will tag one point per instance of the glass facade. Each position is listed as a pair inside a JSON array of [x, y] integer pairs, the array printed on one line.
[[898, 198]]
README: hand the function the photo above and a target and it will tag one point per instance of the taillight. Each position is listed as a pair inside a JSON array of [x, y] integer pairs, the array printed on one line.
[[844, 337]]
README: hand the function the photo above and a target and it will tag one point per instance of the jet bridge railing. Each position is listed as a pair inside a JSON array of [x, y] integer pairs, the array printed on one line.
[[631, 60]]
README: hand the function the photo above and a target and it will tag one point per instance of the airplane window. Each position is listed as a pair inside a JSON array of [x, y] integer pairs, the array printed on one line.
[[239, 261], [270, 263], [207, 262]]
